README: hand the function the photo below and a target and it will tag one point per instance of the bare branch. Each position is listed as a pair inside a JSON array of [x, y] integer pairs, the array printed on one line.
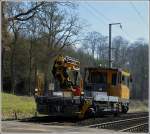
[[32, 10]]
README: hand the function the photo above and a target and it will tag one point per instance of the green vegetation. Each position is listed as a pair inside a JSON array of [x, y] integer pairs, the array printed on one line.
[[23, 106], [138, 106]]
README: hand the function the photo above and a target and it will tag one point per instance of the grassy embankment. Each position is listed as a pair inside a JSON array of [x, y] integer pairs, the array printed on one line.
[[20, 106]]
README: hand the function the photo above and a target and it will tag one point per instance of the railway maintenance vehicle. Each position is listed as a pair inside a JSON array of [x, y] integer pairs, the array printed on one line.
[[109, 88], [102, 90]]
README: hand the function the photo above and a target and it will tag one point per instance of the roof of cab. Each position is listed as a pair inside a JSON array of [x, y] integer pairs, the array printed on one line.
[[104, 68], [124, 72]]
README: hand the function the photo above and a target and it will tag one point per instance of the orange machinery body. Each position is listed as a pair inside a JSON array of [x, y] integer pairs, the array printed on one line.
[[117, 81]]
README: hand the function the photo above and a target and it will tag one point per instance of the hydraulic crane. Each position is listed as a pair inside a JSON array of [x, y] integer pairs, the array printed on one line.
[[66, 70], [68, 96]]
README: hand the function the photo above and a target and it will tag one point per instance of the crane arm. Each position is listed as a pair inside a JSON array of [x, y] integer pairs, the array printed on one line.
[[61, 67]]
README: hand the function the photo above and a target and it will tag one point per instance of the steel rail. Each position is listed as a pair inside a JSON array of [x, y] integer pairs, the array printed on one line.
[[134, 128], [115, 122]]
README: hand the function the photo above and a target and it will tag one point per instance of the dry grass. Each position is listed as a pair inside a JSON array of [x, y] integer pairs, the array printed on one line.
[[23, 106], [138, 106]]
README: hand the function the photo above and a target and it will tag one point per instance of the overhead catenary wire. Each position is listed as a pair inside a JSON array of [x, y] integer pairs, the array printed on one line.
[[137, 11], [98, 12], [106, 19], [92, 12]]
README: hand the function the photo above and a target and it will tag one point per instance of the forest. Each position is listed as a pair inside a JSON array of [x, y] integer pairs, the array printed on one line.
[[34, 33]]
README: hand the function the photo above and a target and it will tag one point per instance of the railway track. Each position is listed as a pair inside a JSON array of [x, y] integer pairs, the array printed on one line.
[[131, 122], [138, 128], [83, 122], [108, 118], [138, 124]]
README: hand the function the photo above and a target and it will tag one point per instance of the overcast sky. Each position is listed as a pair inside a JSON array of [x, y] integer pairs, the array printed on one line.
[[133, 16]]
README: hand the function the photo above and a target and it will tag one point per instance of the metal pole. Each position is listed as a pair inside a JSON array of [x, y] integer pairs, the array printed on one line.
[[110, 59], [110, 64]]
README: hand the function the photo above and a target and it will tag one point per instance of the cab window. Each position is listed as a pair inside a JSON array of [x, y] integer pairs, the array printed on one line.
[[114, 79], [99, 77], [125, 80]]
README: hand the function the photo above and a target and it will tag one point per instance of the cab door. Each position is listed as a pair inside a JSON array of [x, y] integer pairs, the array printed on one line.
[[113, 83], [125, 81]]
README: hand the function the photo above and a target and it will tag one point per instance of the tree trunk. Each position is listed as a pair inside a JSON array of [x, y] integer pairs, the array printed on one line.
[[12, 72], [30, 68], [46, 79], [3, 68], [13, 49], [35, 76]]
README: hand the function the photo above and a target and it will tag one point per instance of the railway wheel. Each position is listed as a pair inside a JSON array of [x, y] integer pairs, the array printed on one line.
[[90, 113], [116, 114], [125, 109]]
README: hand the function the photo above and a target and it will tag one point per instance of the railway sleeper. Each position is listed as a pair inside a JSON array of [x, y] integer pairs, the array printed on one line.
[[137, 128], [120, 124]]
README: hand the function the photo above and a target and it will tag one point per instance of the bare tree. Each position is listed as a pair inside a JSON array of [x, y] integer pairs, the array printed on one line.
[[119, 51], [32, 34], [91, 41], [14, 28], [5, 38], [138, 65], [102, 49], [58, 28], [27, 13]]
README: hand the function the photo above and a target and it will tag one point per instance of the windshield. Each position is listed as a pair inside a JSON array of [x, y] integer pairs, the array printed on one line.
[[98, 77]]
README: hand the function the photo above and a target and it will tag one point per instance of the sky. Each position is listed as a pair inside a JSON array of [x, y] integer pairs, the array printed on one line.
[[133, 16]]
